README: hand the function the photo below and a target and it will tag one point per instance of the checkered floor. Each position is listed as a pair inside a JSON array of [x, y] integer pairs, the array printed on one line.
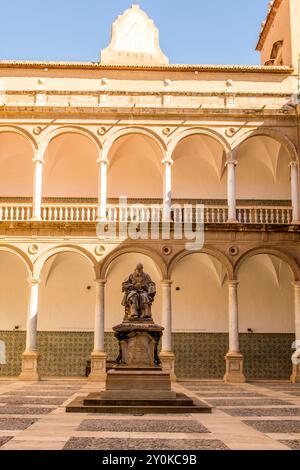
[[247, 416]]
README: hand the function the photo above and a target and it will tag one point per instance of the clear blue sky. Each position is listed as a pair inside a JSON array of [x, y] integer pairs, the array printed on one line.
[[191, 31]]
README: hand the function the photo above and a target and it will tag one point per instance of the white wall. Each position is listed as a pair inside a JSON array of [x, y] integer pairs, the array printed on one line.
[[266, 297], [201, 303], [14, 290]]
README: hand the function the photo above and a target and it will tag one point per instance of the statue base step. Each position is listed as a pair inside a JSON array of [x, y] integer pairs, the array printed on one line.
[[137, 390]]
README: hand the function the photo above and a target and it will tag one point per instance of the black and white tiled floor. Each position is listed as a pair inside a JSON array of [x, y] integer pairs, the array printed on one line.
[[261, 415]]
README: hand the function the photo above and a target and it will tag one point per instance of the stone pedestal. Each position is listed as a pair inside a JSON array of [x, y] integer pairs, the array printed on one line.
[[234, 368], [98, 366], [167, 359], [29, 366], [137, 383], [138, 343], [295, 377]]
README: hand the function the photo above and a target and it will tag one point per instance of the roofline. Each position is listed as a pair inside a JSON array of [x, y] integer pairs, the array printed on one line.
[[158, 67], [268, 24]]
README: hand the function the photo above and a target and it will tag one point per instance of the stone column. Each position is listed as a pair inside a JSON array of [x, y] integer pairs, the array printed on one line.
[[233, 359], [167, 357], [295, 191], [231, 190], [295, 377], [167, 189], [30, 356], [98, 356], [102, 188], [37, 187]]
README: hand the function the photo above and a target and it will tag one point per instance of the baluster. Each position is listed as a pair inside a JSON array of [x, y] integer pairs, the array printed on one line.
[[88, 214], [61, 214], [17, 212], [6, 213], [280, 214], [1, 213]]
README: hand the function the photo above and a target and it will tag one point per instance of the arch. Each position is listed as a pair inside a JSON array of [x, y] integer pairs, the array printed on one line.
[[117, 134], [53, 134], [265, 132], [265, 250], [22, 132], [133, 249], [208, 251], [183, 134], [41, 260], [20, 254]]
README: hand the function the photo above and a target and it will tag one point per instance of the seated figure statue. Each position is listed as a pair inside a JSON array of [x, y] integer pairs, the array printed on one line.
[[139, 292]]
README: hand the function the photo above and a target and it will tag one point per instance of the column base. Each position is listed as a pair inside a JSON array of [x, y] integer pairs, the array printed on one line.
[[35, 219], [295, 377], [29, 366], [234, 368], [232, 221], [98, 367], [167, 359]]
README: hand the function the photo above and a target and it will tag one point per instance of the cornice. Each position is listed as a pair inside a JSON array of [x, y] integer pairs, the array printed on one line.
[[268, 24], [167, 67]]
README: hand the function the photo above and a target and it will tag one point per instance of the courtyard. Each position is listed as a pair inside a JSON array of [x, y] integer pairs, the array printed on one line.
[[250, 416]]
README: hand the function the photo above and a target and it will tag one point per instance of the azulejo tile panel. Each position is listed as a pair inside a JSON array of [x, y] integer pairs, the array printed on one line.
[[14, 347], [198, 355], [267, 355]]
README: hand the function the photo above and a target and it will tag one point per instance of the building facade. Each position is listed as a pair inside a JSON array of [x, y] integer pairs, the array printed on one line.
[[91, 153]]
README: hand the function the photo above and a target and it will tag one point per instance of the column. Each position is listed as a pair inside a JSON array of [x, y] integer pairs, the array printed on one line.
[[295, 191], [102, 188], [231, 190], [98, 356], [37, 186], [233, 359], [295, 377], [167, 357], [167, 189], [30, 356]]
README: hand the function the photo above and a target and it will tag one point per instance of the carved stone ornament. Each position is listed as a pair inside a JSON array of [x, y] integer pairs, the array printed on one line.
[[100, 250], [134, 40], [33, 249]]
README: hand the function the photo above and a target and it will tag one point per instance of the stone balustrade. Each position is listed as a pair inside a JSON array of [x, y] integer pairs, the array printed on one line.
[[213, 214]]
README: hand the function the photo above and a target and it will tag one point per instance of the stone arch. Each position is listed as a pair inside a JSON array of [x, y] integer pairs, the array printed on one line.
[[114, 135], [183, 134], [41, 260], [133, 249], [265, 132], [265, 250], [22, 132], [20, 254], [208, 251], [45, 141]]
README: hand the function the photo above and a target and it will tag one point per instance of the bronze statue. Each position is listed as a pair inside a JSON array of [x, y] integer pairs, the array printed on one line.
[[139, 292]]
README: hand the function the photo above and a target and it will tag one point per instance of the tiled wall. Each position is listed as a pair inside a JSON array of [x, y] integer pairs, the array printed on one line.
[[198, 355]]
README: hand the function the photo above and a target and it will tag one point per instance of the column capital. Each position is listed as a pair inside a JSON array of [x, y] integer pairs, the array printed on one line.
[[231, 162], [294, 163], [38, 159], [296, 284], [166, 282], [167, 161], [233, 283], [100, 282], [34, 281], [103, 160]]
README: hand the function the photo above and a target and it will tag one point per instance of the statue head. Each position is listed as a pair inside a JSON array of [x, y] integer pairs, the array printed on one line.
[[139, 268]]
